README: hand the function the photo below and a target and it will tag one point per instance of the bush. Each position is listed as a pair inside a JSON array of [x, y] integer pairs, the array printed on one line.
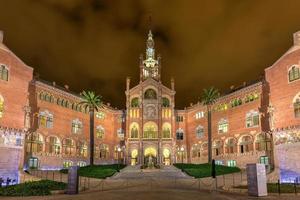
[[204, 170], [34, 188]]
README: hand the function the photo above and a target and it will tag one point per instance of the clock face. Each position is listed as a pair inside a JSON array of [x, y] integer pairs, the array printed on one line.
[[150, 62]]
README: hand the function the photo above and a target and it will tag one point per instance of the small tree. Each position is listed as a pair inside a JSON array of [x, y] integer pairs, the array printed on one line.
[[93, 103], [208, 98]]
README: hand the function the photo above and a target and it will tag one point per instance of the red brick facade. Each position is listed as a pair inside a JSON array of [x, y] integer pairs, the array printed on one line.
[[245, 122]]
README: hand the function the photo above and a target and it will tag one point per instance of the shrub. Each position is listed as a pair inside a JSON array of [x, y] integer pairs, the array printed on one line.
[[97, 171], [34, 188], [204, 170]]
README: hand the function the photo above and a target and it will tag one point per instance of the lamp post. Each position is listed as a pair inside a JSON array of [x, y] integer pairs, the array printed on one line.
[[182, 151], [119, 151]]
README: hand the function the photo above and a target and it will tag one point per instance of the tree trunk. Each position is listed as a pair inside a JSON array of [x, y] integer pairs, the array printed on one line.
[[209, 134], [92, 136]]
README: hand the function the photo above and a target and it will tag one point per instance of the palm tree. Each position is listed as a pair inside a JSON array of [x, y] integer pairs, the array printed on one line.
[[91, 102], [208, 98]]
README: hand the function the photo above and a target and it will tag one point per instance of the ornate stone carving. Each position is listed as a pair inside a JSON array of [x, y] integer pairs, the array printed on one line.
[[150, 112]]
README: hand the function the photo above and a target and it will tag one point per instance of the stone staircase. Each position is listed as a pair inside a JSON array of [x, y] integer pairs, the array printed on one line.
[[165, 172]]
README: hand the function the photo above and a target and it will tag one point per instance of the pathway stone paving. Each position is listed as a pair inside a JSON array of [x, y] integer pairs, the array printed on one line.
[[166, 172]]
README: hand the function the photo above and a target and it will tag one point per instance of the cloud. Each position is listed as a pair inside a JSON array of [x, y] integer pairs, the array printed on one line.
[[95, 44]]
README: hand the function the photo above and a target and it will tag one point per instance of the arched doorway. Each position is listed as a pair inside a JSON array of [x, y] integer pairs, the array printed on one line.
[[150, 156], [134, 154], [166, 157]]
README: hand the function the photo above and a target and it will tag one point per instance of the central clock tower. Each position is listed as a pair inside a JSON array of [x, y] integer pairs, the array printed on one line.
[[150, 67], [149, 137]]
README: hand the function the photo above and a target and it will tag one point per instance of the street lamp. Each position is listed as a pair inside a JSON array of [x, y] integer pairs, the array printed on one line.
[[182, 151], [119, 151]]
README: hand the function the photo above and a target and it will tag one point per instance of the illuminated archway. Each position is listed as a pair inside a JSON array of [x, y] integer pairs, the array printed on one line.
[[150, 151]]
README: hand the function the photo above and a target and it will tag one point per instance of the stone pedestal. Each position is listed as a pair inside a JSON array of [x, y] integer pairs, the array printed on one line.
[[73, 179], [257, 180]]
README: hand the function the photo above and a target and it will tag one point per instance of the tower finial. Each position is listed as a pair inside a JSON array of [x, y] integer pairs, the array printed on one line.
[[150, 21]]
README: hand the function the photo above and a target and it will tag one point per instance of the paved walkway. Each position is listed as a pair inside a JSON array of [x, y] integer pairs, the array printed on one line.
[[166, 172], [148, 195]]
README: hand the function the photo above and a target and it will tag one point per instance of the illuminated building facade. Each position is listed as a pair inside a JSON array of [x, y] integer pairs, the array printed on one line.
[[45, 126]]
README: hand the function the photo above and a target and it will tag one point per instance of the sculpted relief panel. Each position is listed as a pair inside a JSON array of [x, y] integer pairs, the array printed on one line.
[[150, 112]]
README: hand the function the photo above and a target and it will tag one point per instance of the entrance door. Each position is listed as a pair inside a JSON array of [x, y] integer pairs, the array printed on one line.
[[150, 155]]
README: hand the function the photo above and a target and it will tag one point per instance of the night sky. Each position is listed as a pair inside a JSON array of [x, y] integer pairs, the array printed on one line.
[[95, 45]]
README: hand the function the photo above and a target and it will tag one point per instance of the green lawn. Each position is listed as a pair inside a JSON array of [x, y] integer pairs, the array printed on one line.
[[34, 188], [273, 188], [204, 170], [98, 171]]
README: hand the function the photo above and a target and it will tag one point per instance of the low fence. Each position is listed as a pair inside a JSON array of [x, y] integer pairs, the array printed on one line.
[[230, 182]]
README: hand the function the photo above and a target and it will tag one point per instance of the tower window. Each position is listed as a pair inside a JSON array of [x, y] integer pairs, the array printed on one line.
[[150, 94], [294, 73], [3, 73]]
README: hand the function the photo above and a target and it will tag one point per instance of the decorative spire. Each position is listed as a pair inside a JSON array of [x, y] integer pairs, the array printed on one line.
[[150, 51]]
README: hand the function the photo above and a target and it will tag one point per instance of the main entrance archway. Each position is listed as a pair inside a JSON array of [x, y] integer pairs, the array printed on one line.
[[150, 155]]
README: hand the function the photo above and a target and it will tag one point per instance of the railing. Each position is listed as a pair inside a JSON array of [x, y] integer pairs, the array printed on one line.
[[236, 182]]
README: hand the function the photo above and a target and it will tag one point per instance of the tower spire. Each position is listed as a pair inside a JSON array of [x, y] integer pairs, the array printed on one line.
[[150, 66]]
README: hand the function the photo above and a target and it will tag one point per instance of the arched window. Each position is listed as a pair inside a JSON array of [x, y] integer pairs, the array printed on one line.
[[204, 149], [118, 153], [104, 151], [34, 143], [76, 126], [1, 106], [223, 126], [81, 163], [296, 105], [100, 115], [54, 145], [236, 102], [251, 97], [73, 106], [166, 130], [246, 144], [165, 102], [135, 102], [67, 164], [196, 151], [3, 73], [134, 130], [252, 119], [100, 132], [69, 147], [230, 145], [78, 108], [59, 101], [179, 134], [150, 94], [294, 73], [82, 149], [260, 142], [42, 96], [217, 148], [150, 130], [45, 119], [199, 131]]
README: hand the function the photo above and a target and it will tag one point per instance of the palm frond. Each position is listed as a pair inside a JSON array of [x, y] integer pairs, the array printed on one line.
[[210, 96], [90, 100]]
